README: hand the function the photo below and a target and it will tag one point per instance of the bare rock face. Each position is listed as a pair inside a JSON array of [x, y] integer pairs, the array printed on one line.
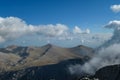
[[109, 73]]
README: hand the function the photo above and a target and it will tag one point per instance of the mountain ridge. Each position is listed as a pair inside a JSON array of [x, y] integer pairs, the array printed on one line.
[[28, 56]]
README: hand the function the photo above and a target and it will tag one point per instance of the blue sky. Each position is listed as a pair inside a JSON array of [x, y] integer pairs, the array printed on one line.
[[83, 13], [77, 15]]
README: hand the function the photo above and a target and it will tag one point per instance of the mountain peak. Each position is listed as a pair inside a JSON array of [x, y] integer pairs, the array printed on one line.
[[80, 46], [48, 45], [12, 47]]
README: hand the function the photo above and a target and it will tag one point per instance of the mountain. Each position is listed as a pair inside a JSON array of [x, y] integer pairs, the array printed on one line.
[[60, 72], [57, 71], [48, 62], [16, 57]]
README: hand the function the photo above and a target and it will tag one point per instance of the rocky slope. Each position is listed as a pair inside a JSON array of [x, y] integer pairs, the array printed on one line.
[[49, 72], [49, 62], [60, 72], [16, 57], [111, 72]]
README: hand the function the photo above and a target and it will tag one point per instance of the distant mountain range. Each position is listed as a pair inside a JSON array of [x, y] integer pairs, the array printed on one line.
[[50, 62], [44, 62], [16, 57]]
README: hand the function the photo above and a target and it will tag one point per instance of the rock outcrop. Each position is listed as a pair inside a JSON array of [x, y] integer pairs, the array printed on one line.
[[111, 72]]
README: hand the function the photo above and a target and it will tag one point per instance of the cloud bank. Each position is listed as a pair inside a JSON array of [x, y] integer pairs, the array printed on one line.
[[14, 30], [115, 8], [106, 54], [13, 27], [115, 39], [77, 30]]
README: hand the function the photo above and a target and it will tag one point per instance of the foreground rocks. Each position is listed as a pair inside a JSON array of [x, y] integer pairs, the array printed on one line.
[[109, 73], [60, 72], [87, 78], [49, 72], [106, 73]]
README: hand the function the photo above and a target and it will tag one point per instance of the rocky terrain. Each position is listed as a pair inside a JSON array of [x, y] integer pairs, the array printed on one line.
[[41, 63], [16, 57], [55, 71], [111, 72], [50, 62]]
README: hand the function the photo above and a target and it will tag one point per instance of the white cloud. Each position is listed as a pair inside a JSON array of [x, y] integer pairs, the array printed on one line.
[[13, 27], [115, 8], [87, 31], [52, 30], [77, 30], [107, 54], [115, 24]]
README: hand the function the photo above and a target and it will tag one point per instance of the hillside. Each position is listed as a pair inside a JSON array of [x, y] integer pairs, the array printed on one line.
[[50, 62], [16, 57]]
